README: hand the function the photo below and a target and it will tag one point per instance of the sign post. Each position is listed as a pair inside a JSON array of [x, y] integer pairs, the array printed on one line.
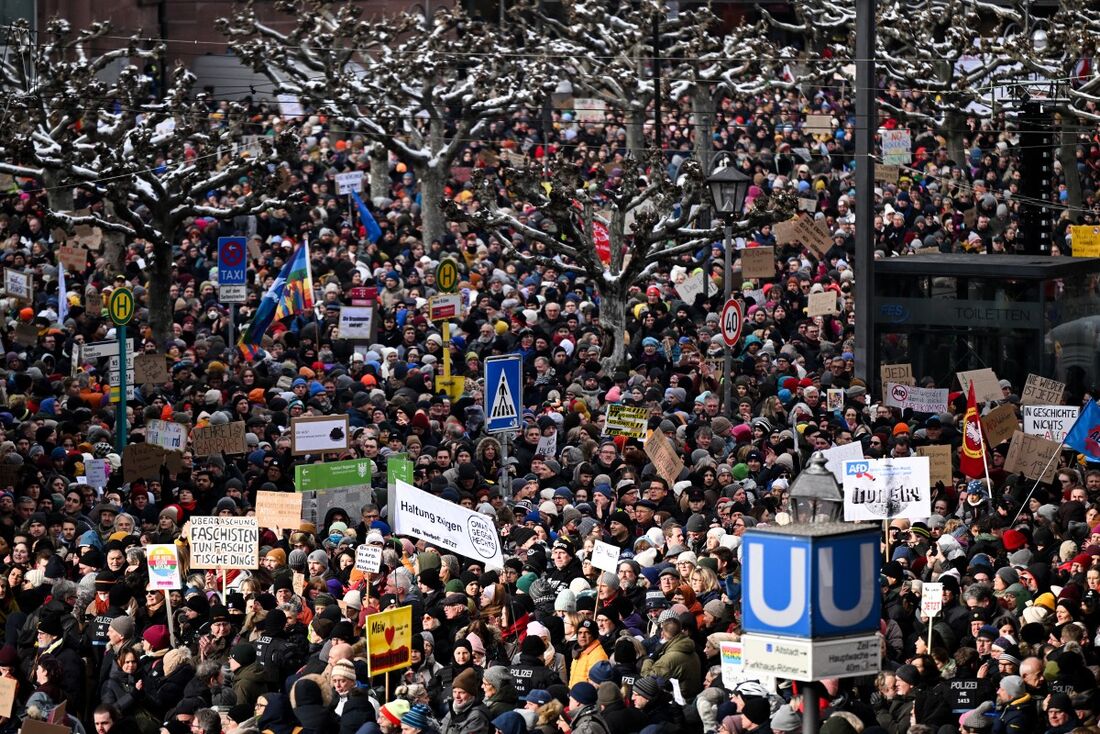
[[446, 280], [121, 307], [730, 323], [232, 276], [504, 405]]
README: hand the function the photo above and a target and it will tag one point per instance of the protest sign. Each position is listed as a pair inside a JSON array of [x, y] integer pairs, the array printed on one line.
[[987, 387], [34, 726], [899, 374], [732, 666], [691, 287], [7, 696], [17, 284], [349, 182], [882, 489], [1029, 455], [142, 461], [1085, 240], [887, 174], [999, 424], [389, 640], [226, 439], [589, 109], [917, 399], [605, 557], [758, 262], [316, 434], [834, 398], [166, 434], [822, 304], [1042, 391], [331, 475], [74, 259], [1052, 422], [95, 471], [548, 446], [445, 524], [94, 302], [164, 567], [368, 558], [896, 147], [225, 542], [355, 322], [26, 334], [664, 457], [279, 510], [626, 421], [151, 368], [807, 231], [931, 598], [939, 463], [818, 124], [298, 583], [835, 457]]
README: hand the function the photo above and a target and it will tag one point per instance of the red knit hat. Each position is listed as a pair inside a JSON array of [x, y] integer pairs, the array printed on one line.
[[1013, 540]]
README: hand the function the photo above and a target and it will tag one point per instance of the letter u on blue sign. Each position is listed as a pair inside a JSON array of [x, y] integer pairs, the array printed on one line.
[[810, 586]]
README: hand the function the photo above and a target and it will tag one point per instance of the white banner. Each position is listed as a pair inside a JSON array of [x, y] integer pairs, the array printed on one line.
[[447, 525], [355, 322], [920, 399], [881, 489], [1052, 422]]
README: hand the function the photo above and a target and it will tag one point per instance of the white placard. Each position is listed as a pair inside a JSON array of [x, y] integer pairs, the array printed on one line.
[[548, 446], [225, 542], [1052, 422], [166, 434], [931, 598], [318, 434], [164, 567], [605, 556], [897, 147], [95, 471], [368, 558], [837, 455], [691, 287], [17, 284], [447, 525], [882, 489], [355, 322], [919, 399], [348, 182], [732, 665]]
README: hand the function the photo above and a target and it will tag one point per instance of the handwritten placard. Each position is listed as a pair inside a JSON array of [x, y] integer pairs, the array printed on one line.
[[72, 258], [822, 304], [1042, 391], [899, 374], [226, 439], [999, 424], [987, 387], [151, 368], [758, 262], [664, 457], [605, 556], [940, 468], [279, 510], [142, 461], [1029, 455]]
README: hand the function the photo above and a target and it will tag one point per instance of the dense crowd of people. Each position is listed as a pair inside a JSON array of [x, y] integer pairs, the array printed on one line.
[[548, 642]]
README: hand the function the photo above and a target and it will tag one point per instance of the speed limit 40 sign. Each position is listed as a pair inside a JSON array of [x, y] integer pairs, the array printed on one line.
[[731, 321]]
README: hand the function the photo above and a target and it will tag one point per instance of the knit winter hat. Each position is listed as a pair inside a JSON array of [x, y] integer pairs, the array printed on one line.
[[318, 556], [343, 669], [466, 681], [498, 676], [394, 710], [123, 625]]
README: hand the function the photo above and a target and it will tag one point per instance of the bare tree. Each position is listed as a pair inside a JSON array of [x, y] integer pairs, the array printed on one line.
[[650, 223], [424, 88]]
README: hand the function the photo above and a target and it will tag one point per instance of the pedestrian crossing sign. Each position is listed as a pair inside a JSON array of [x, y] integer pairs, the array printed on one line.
[[503, 393]]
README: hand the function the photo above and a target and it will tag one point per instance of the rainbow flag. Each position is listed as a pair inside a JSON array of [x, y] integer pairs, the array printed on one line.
[[290, 294]]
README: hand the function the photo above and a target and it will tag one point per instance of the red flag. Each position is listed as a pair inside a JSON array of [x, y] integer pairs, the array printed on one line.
[[972, 456]]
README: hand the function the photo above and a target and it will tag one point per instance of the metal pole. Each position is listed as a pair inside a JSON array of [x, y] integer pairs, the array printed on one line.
[[727, 372], [809, 706], [232, 318], [120, 414], [865, 190], [505, 485]]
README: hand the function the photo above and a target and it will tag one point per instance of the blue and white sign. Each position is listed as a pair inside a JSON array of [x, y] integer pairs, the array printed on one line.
[[503, 393], [232, 261], [800, 582]]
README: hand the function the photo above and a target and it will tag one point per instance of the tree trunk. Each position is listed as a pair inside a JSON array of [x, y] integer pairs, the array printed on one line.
[[160, 278], [58, 198], [635, 133], [379, 171], [114, 243], [613, 321], [954, 131], [702, 110], [1067, 154], [431, 207]]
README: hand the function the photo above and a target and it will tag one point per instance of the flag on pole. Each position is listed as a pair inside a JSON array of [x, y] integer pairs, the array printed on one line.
[[972, 456], [62, 295], [374, 232], [290, 294], [1084, 436]]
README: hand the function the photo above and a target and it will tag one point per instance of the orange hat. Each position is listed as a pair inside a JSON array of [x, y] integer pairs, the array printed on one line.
[[256, 395], [26, 314], [901, 428]]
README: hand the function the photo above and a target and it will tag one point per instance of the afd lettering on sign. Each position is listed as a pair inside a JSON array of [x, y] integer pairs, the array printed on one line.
[[798, 584]]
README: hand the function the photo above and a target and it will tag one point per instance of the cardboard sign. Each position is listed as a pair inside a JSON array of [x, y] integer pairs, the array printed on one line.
[[142, 461], [1085, 240], [1028, 455], [589, 109], [822, 304], [279, 510], [899, 374], [626, 421], [931, 598], [7, 696], [225, 439], [897, 147], [917, 399], [26, 334], [368, 559], [1042, 391], [34, 726], [807, 231], [887, 174], [987, 388], [882, 489], [151, 368], [665, 460], [93, 303], [999, 424], [548, 446], [940, 468], [73, 259], [318, 434], [818, 124], [1052, 422], [605, 556], [691, 287], [298, 583], [758, 262], [348, 182], [225, 542], [389, 640], [88, 236], [18, 284], [95, 471]]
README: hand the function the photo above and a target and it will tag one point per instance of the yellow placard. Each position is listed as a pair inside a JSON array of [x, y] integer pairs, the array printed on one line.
[[1086, 241], [389, 640]]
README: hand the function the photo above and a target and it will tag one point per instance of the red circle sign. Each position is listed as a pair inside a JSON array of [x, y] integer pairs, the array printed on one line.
[[232, 254], [731, 320]]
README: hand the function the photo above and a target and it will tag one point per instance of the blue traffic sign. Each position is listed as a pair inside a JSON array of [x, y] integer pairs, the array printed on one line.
[[232, 263], [801, 582], [503, 393]]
